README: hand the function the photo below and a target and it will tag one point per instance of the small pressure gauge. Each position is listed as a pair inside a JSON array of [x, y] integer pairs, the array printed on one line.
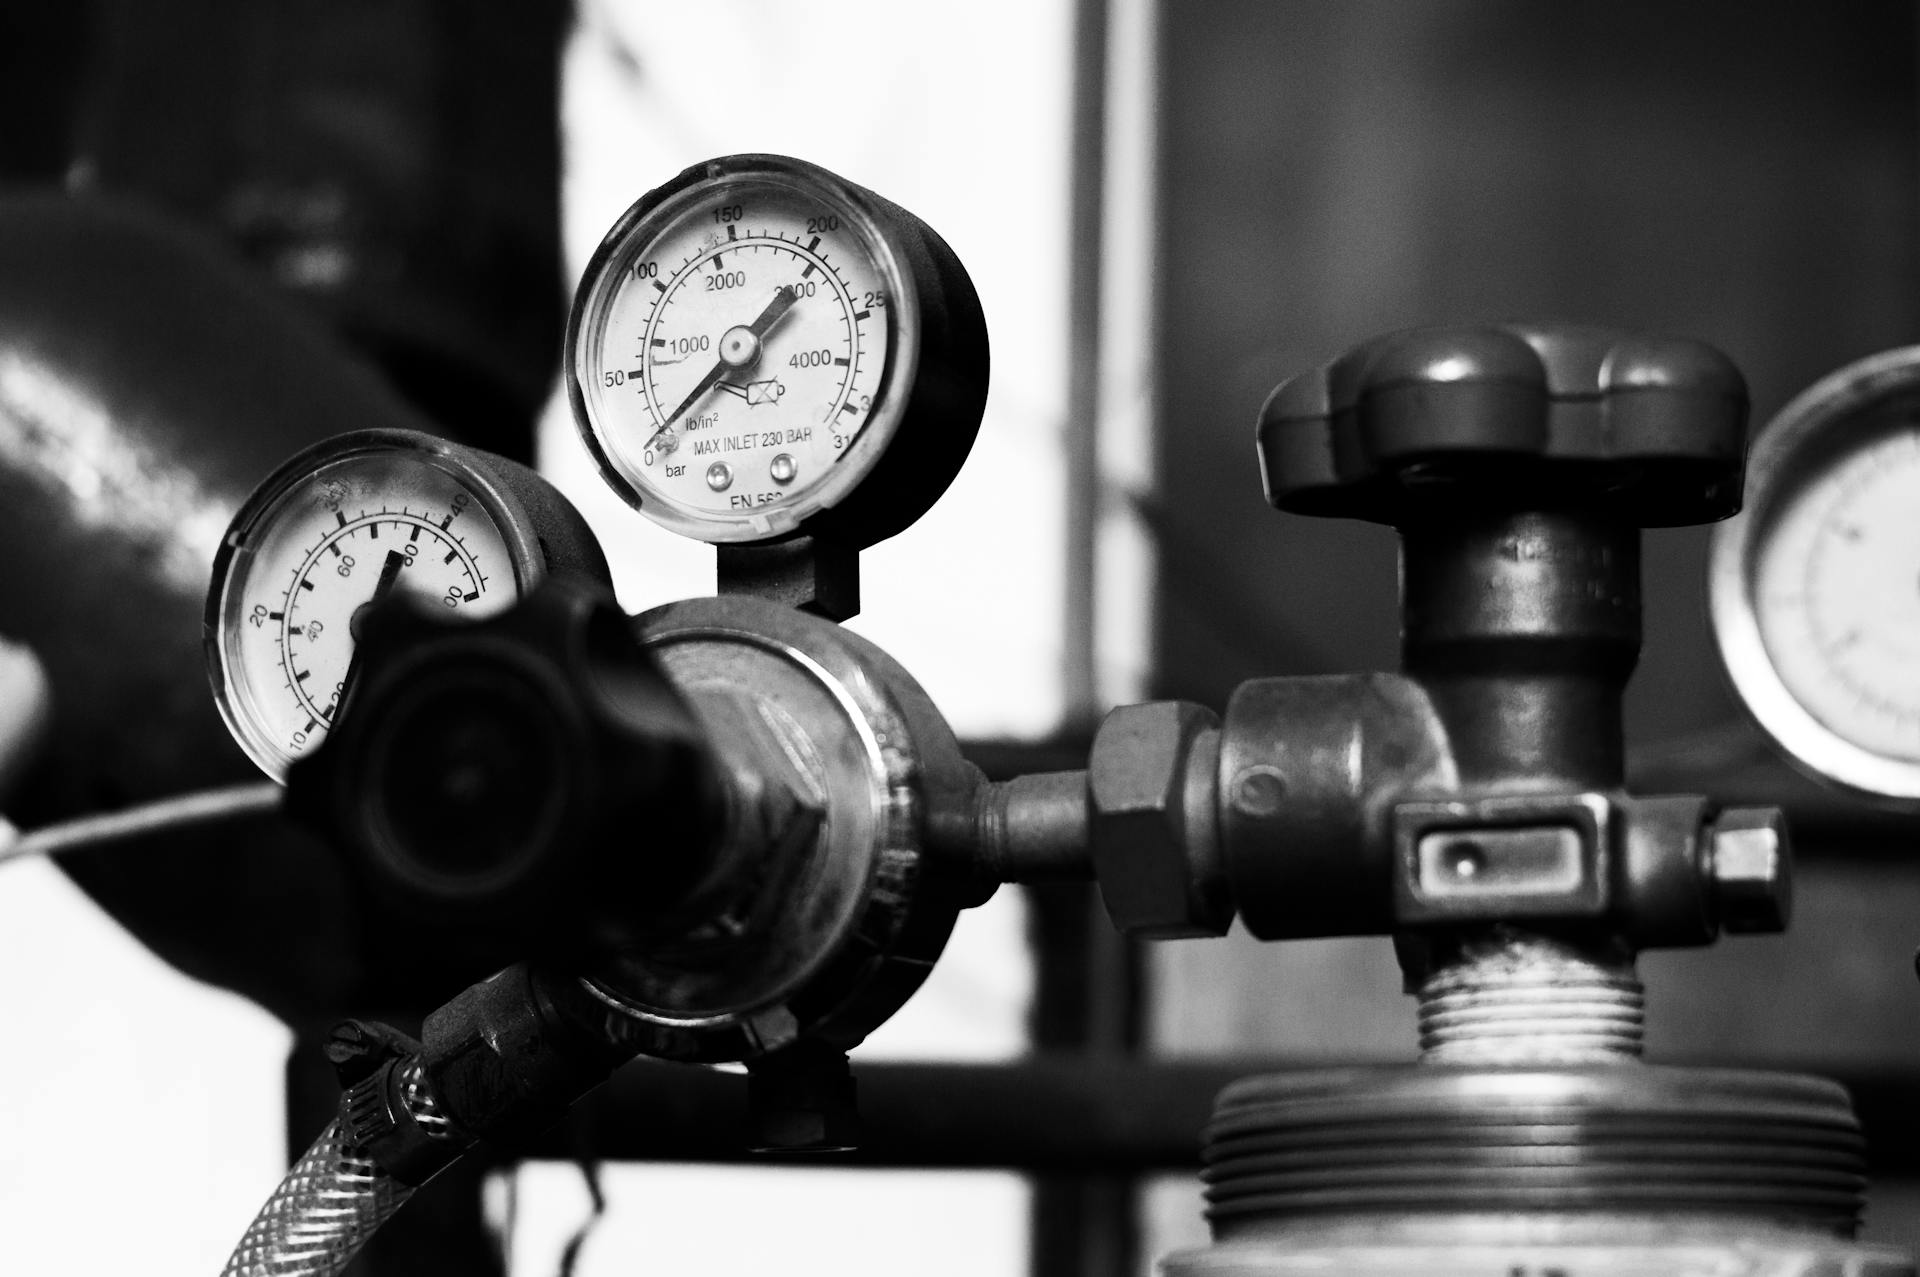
[[1816, 587], [761, 349], [340, 527]]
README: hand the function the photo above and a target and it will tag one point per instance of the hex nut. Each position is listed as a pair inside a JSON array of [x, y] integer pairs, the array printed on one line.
[[772, 802], [1152, 793], [1752, 870]]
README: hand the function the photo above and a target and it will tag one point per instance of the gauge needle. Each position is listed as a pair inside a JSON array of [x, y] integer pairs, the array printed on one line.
[[739, 348], [389, 573]]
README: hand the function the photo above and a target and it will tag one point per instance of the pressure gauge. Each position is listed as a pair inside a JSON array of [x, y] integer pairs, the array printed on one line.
[[1816, 587], [340, 527], [760, 348]]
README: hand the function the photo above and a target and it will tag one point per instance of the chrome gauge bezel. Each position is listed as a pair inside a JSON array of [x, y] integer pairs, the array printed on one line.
[[659, 213], [234, 690], [1836, 418]]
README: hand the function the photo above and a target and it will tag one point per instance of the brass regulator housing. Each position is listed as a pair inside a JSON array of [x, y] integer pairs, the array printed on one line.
[[838, 911]]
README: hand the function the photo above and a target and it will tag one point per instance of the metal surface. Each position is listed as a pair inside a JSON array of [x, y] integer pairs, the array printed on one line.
[[1523, 625], [1752, 868], [1843, 414], [1569, 1139], [1624, 1244], [1602, 1169], [116, 452], [835, 933], [1088, 212], [1153, 820], [815, 574], [1306, 768], [1032, 828], [1505, 996]]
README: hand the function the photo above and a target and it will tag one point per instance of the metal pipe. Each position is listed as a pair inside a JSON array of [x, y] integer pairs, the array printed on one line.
[[1087, 219], [1051, 1112], [1034, 828]]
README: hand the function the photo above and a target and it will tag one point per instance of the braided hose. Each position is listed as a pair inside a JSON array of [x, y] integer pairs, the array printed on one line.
[[334, 1198], [324, 1211]]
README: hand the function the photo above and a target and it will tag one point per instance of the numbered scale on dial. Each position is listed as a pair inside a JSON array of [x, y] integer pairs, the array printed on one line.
[[761, 348], [340, 529], [1816, 586]]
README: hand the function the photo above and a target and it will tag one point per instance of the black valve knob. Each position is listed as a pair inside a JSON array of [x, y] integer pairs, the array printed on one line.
[[528, 785], [1519, 463], [1650, 431]]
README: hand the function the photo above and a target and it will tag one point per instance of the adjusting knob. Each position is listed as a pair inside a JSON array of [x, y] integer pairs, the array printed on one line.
[[524, 785]]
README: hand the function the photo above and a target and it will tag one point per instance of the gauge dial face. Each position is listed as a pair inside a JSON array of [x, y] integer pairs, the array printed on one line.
[[736, 350], [302, 573], [1836, 587]]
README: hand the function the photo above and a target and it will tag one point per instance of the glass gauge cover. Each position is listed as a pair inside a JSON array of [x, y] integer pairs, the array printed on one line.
[[761, 348], [341, 527], [1816, 588]]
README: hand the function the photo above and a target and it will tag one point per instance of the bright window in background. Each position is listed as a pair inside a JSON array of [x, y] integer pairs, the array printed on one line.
[[957, 112], [962, 114]]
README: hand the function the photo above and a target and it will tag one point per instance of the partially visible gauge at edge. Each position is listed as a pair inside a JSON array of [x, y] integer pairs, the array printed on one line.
[[761, 348], [340, 527], [1816, 587]]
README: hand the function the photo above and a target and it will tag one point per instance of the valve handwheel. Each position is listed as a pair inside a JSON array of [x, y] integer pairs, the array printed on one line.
[[1519, 463], [1649, 430]]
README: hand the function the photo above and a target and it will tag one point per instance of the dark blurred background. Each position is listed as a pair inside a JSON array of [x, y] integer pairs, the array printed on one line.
[[394, 166], [1741, 173], [1737, 172]]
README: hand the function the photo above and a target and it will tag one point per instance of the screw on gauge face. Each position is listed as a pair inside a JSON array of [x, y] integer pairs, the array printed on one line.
[[719, 476], [782, 469]]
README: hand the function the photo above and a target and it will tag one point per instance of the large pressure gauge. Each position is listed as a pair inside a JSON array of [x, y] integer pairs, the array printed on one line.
[[336, 530], [760, 348], [1816, 587]]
